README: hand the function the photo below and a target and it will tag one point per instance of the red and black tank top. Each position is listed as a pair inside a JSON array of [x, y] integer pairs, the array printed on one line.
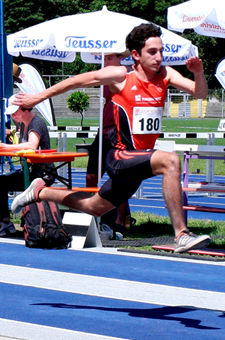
[[137, 111]]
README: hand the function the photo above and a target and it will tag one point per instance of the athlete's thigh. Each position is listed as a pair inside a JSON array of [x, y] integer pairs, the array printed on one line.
[[118, 192], [131, 165]]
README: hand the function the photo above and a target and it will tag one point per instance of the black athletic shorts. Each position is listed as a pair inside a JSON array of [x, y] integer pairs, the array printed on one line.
[[92, 167], [126, 169]]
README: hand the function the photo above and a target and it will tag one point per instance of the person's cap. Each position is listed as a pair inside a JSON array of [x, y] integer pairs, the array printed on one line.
[[11, 108], [16, 73], [124, 54]]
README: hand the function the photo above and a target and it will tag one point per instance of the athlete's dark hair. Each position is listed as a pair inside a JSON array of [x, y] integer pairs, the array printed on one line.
[[137, 37]]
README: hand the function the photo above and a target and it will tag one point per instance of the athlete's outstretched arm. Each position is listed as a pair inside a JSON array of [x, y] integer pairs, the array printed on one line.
[[110, 75], [197, 88]]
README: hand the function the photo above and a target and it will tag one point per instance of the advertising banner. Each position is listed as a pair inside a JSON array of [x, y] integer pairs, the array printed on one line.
[[32, 82]]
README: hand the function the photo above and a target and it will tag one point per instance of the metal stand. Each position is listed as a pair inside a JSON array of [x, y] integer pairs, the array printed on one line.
[[83, 228]]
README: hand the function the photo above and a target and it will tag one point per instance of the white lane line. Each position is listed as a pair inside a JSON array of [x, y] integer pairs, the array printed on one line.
[[28, 331], [112, 288], [145, 206], [114, 251], [12, 240]]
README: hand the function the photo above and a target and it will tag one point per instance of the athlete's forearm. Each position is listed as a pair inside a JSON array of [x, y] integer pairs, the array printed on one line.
[[201, 86], [106, 76]]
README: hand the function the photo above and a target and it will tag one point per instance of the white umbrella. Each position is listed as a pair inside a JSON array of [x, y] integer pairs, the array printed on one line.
[[50, 53], [169, 57], [99, 32], [220, 72], [90, 58], [206, 17], [96, 32]]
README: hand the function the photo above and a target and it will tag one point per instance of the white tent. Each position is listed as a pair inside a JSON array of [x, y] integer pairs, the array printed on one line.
[[220, 72], [206, 17], [87, 32]]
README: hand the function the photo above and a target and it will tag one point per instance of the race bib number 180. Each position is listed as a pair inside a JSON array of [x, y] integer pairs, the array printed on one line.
[[147, 120]]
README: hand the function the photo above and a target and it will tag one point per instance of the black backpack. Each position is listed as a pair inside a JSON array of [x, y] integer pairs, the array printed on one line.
[[42, 226]]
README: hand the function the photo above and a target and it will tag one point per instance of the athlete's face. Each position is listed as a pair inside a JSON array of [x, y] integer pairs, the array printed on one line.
[[151, 55], [112, 60]]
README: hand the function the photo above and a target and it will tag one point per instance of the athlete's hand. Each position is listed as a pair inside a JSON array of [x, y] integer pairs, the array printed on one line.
[[26, 100], [195, 65]]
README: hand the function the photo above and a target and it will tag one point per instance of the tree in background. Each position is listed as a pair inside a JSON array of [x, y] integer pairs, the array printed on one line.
[[78, 102]]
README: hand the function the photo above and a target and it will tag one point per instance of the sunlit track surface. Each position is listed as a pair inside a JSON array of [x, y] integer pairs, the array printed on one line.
[[104, 294], [95, 295]]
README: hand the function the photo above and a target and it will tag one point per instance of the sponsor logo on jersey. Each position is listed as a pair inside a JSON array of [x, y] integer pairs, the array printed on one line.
[[134, 88], [138, 98]]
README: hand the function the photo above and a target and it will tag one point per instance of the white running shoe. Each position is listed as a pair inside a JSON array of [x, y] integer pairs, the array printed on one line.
[[30, 195], [187, 241]]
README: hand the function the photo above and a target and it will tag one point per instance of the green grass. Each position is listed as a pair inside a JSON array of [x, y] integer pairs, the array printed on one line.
[[154, 225], [150, 225], [190, 125], [168, 124], [76, 121]]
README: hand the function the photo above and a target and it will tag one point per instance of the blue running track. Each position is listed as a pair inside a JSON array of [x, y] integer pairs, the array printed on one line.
[[102, 294], [105, 294]]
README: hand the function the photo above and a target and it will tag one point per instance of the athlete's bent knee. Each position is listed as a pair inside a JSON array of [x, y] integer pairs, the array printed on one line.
[[173, 162]]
